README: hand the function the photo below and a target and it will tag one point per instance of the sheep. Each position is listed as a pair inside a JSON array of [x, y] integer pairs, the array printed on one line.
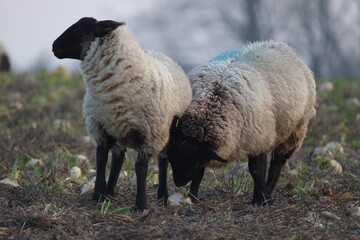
[[4, 60], [131, 99], [247, 102]]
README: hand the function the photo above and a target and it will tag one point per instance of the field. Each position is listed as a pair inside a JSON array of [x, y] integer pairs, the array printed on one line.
[[42, 132]]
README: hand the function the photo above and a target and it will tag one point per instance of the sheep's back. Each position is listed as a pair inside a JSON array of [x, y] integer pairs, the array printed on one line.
[[291, 83]]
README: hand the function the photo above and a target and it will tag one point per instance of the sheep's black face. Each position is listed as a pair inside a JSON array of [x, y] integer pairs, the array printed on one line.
[[69, 44], [185, 159], [187, 156], [74, 41]]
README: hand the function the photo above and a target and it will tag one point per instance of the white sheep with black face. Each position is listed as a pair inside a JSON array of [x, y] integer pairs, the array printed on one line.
[[131, 98], [247, 103]]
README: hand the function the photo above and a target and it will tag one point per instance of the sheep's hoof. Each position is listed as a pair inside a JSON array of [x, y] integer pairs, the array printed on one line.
[[138, 208], [140, 204], [164, 195], [110, 194], [194, 199], [165, 199], [161, 193], [261, 202], [98, 197]]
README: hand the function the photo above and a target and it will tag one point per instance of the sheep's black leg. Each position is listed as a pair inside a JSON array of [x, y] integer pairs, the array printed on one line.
[[117, 161], [257, 168], [277, 162], [141, 167], [195, 183], [281, 154], [162, 191], [102, 152]]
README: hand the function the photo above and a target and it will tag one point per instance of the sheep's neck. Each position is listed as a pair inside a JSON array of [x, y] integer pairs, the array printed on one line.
[[116, 56]]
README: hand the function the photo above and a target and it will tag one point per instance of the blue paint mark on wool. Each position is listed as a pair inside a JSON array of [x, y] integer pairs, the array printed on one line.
[[233, 54]]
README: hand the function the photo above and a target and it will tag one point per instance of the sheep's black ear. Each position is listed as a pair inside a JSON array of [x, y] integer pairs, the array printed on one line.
[[102, 28], [174, 128], [176, 134], [212, 155]]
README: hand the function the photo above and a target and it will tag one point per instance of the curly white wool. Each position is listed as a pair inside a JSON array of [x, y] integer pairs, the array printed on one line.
[[130, 91]]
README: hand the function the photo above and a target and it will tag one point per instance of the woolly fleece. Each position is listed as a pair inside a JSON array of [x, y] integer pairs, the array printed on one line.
[[131, 94], [250, 101]]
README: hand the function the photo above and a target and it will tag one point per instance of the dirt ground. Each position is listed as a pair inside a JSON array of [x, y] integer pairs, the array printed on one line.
[[40, 118]]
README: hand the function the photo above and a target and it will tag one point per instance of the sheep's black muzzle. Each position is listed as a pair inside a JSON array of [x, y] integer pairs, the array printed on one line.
[[181, 180], [59, 53]]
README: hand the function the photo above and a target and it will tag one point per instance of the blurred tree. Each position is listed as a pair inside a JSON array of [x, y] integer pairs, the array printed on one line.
[[322, 22], [249, 29], [325, 33]]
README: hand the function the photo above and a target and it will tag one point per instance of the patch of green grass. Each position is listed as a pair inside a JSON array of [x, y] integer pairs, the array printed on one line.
[[71, 160], [152, 177], [355, 143], [37, 170], [130, 159], [14, 174], [283, 180], [302, 169], [322, 161], [310, 141], [293, 237], [355, 180], [244, 184], [105, 206], [231, 180], [304, 188], [123, 209], [215, 178], [336, 118], [54, 205], [338, 98]]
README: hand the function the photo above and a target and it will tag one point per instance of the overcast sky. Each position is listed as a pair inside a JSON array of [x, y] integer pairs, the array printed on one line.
[[28, 28]]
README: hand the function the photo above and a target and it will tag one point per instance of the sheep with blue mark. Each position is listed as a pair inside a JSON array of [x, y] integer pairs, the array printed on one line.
[[131, 99], [247, 103]]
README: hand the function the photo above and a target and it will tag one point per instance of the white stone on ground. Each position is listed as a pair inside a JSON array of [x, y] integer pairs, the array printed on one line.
[[177, 199], [75, 173]]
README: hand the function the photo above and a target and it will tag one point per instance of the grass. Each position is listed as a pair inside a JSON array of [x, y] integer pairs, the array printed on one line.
[[304, 188], [355, 143], [40, 118]]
